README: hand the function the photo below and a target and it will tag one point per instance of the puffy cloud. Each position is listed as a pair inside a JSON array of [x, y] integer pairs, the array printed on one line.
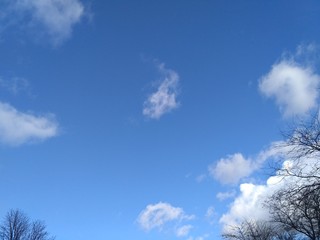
[[164, 99], [56, 16], [17, 128], [157, 215], [249, 204], [231, 169], [294, 86]]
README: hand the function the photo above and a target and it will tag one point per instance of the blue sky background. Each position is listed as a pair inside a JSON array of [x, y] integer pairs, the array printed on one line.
[[78, 147]]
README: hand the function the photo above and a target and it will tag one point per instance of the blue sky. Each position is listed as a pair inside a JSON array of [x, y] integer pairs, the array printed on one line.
[[148, 119]]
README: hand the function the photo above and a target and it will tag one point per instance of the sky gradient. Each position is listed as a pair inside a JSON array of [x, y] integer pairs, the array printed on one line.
[[149, 119]]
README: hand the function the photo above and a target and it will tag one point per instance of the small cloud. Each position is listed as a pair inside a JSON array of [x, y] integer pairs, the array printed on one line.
[[157, 216], [184, 230], [211, 215], [164, 99], [56, 17], [225, 195], [307, 54], [294, 86], [210, 212], [231, 169], [15, 85], [201, 178], [18, 128]]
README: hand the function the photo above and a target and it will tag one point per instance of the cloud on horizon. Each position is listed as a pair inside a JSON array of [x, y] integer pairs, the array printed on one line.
[[18, 128], [164, 100]]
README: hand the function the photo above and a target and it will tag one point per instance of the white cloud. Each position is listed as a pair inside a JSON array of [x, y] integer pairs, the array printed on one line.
[[294, 86], [17, 128], [231, 169], [164, 99], [56, 16], [184, 230], [164, 216], [158, 215], [249, 203], [246, 206]]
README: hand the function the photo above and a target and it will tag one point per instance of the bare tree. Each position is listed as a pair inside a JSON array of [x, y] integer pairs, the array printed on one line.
[[297, 210], [260, 230], [257, 230], [303, 144], [38, 232], [17, 226]]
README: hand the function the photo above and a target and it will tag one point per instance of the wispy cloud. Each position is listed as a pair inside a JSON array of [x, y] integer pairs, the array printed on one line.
[[164, 99], [157, 216], [293, 83], [184, 230], [15, 85], [200, 178], [211, 215], [225, 195], [18, 128], [56, 18]]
